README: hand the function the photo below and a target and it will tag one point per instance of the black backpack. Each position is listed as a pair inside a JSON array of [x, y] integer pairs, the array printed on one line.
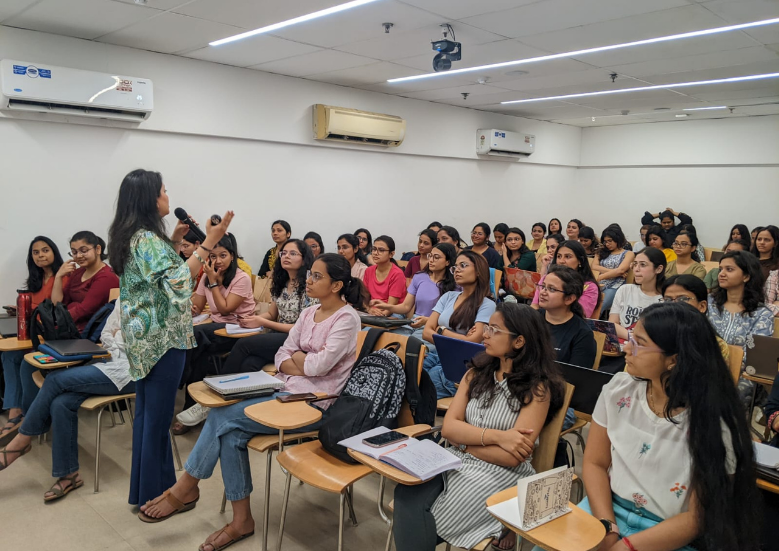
[[371, 397], [96, 324], [52, 322], [421, 397]]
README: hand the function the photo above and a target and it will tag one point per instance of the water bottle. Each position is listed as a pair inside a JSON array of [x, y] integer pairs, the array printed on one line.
[[23, 313]]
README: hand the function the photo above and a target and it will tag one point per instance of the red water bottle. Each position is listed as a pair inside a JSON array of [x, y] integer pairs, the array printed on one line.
[[23, 313]]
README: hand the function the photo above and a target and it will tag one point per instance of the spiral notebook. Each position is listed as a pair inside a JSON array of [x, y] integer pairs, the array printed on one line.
[[227, 385]]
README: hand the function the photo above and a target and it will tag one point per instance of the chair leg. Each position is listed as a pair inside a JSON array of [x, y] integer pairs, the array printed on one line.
[[97, 450], [349, 499], [284, 511], [129, 410], [341, 498], [448, 546], [111, 411], [388, 547], [175, 448], [382, 483], [119, 411], [580, 438], [266, 510], [224, 502]]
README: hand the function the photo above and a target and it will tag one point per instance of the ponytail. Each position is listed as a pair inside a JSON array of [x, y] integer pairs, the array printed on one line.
[[355, 293], [338, 268]]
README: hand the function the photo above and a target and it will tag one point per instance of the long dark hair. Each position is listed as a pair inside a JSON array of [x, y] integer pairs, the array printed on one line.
[[729, 504], [540, 225], [464, 317], [431, 235], [559, 224], [500, 227], [584, 269], [228, 242], [744, 232], [136, 209], [657, 258], [316, 237], [573, 285], [355, 243], [523, 249], [92, 239], [656, 231], [576, 221], [451, 232], [693, 237], [338, 268], [774, 231], [35, 274], [615, 233], [284, 224], [367, 248], [588, 233], [487, 232], [534, 372], [281, 276], [753, 296], [447, 283]]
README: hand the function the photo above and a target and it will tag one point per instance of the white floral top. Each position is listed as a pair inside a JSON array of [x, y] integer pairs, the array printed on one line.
[[737, 329], [772, 291]]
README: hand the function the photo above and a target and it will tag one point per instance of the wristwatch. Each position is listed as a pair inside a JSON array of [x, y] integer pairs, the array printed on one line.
[[610, 526], [440, 330], [211, 285]]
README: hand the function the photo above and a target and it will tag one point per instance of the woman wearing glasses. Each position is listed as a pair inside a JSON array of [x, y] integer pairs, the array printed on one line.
[[687, 261], [480, 237], [348, 246], [317, 356], [630, 300], [516, 254], [384, 280], [613, 263], [572, 255], [459, 314]]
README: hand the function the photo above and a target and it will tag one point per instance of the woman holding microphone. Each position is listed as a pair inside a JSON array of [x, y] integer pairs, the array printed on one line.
[[156, 286]]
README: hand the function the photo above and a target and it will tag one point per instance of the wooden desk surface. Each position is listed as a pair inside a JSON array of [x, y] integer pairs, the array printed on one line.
[[389, 471], [207, 397], [576, 531], [767, 486], [755, 379], [223, 333], [57, 365], [277, 415], [12, 344]]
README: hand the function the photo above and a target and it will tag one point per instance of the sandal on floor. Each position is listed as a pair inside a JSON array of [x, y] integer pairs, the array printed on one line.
[[178, 507], [4, 452], [10, 429], [234, 538], [179, 428], [59, 492]]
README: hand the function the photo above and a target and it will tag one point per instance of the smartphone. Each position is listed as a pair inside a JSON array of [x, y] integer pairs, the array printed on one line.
[[11, 310], [45, 359], [296, 397], [381, 440]]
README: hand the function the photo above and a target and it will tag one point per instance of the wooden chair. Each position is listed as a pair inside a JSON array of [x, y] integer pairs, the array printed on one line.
[[707, 252], [113, 294], [710, 265], [630, 277], [402, 264], [600, 342], [776, 328], [735, 358], [311, 464]]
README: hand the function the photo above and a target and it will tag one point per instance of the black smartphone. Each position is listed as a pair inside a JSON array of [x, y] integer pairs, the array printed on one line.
[[303, 397], [385, 439]]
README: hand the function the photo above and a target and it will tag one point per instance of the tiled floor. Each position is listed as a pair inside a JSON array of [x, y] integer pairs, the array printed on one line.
[[86, 521]]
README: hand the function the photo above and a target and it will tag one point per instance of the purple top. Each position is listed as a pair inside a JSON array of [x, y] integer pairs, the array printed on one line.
[[426, 293]]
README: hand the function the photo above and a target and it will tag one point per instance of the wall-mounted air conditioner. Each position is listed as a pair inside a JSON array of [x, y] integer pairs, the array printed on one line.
[[500, 143], [357, 127], [42, 88]]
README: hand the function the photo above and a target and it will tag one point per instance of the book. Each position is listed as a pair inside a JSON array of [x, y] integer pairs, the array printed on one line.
[[228, 385], [235, 329], [766, 456], [421, 458], [540, 499], [200, 318]]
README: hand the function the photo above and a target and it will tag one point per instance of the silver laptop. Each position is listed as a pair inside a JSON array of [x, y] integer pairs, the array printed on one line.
[[763, 359]]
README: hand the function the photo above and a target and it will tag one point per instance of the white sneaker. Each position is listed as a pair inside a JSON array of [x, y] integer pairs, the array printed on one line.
[[193, 416]]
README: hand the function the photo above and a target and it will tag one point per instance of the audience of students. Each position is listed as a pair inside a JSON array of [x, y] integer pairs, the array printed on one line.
[[572, 255], [448, 234], [516, 254], [655, 240], [366, 244], [280, 231], [427, 240], [639, 245], [538, 243], [589, 241], [314, 242], [630, 300], [499, 233], [384, 280], [552, 242], [572, 229], [766, 248], [480, 237], [349, 247], [613, 263], [687, 261], [668, 228]]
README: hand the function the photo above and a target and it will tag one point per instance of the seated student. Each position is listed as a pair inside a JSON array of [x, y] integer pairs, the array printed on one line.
[[739, 231], [668, 231], [189, 244], [654, 240], [366, 244], [288, 296], [426, 288], [711, 278], [516, 254], [571, 254], [510, 393], [589, 241], [499, 233], [701, 252], [384, 280], [317, 356], [349, 247], [613, 263], [87, 288], [448, 234], [538, 243], [57, 404], [689, 289], [686, 256], [754, 233], [766, 248], [555, 226], [630, 300], [459, 314], [43, 262], [552, 242], [480, 237], [435, 226], [280, 231], [640, 245], [572, 229], [559, 297], [668, 466], [427, 240], [314, 242]]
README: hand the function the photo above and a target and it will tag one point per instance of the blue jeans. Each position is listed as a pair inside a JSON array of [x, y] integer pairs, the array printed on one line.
[[608, 298], [56, 406], [444, 388], [223, 438], [12, 361]]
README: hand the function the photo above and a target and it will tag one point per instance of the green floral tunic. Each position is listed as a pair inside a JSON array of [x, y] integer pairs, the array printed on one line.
[[156, 287]]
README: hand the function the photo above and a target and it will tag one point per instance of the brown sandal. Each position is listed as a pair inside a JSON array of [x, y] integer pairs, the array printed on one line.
[[178, 507], [6, 451], [59, 491], [10, 429], [234, 538]]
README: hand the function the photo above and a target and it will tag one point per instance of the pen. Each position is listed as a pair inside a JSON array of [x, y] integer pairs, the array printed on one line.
[[235, 379]]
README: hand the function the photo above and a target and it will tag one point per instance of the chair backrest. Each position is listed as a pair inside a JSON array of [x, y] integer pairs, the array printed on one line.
[[630, 276], [113, 294], [707, 252], [402, 263], [543, 456], [254, 279], [498, 282], [734, 361], [776, 328], [710, 265], [600, 340]]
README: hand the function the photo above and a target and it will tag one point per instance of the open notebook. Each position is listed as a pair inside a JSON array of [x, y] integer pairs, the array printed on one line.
[[228, 385]]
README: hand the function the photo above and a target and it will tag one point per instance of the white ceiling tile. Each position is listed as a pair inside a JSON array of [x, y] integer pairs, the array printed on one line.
[[763, 67], [398, 45], [743, 11], [553, 15], [718, 94], [774, 47], [730, 58], [765, 35], [367, 74], [634, 101], [170, 33], [314, 63], [459, 9], [752, 110], [562, 66], [402, 88], [361, 23], [530, 82], [473, 91], [251, 51], [13, 7], [80, 18], [754, 101], [253, 14]]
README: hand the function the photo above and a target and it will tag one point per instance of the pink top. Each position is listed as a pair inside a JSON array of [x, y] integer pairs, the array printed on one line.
[[241, 285], [588, 300], [394, 285], [330, 347]]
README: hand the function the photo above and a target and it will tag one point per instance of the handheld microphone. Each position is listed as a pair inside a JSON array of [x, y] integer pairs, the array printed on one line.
[[182, 215]]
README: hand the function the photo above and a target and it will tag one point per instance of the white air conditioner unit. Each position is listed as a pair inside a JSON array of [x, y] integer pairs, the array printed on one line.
[[357, 127], [500, 143], [42, 88]]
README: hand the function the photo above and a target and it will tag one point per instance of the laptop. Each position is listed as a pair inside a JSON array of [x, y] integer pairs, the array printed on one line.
[[454, 355], [588, 383], [8, 327], [381, 321], [762, 360], [76, 347], [611, 346], [716, 256]]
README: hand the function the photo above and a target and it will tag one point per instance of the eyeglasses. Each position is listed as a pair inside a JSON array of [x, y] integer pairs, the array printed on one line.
[[435, 257], [314, 276], [291, 254], [379, 250], [683, 299], [678, 244], [634, 346], [477, 234], [541, 288], [460, 266], [362, 239], [490, 330], [80, 252]]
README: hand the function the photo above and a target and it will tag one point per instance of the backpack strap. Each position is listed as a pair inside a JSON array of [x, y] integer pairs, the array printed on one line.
[[413, 394], [369, 344], [66, 327], [45, 327]]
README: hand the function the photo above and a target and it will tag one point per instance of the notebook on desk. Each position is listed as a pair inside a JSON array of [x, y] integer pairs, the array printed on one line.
[[239, 383]]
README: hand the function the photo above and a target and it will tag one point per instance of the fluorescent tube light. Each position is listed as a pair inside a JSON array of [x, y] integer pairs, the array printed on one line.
[[643, 88], [295, 21], [706, 108], [590, 50]]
